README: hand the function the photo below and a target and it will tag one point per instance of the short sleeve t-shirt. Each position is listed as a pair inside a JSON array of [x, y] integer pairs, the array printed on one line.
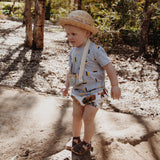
[[94, 74]]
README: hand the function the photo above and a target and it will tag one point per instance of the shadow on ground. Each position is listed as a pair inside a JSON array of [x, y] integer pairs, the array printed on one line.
[[146, 138], [30, 67]]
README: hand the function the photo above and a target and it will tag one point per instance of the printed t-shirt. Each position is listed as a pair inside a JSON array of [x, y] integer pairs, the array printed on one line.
[[94, 74]]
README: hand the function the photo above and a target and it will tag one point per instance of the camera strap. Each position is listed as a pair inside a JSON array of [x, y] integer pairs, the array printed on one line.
[[85, 51]]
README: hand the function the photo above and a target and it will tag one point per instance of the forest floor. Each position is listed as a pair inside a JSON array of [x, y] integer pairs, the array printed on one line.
[[30, 84]]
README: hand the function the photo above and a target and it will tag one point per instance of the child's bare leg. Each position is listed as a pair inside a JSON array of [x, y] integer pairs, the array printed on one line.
[[89, 127], [77, 118]]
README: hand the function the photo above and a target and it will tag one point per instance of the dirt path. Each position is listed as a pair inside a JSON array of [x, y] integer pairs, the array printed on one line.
[[37, 127], [30, 83]]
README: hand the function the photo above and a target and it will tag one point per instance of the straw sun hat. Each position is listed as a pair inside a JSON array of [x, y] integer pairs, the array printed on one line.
[[81, 19]]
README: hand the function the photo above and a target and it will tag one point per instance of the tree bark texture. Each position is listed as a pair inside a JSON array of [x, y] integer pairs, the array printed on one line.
[[28, 23], [38, 31], [77, 4], [148, 11]]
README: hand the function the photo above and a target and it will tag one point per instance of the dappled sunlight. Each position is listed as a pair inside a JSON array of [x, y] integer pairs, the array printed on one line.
[[31, 122], [125, 132], [45, 112], [119, 125]]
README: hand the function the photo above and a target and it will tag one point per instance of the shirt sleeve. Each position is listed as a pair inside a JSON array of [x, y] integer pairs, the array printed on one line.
[[101, 56], [70, 58]]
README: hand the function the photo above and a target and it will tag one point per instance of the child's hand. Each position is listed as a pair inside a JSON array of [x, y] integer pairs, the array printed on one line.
[[115, 92], [64, 91]]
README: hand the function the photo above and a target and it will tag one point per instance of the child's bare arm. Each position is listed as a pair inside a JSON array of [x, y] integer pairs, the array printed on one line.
[[111, 72], [65, 90]]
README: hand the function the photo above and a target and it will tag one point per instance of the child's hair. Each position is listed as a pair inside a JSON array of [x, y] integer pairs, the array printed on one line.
[[81, 19]]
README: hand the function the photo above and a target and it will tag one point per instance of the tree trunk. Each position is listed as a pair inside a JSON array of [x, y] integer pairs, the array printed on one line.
[[12, 8], [75, 4], [48, 10], [145, 28], [79, 4], [28, 23], [38, 31]]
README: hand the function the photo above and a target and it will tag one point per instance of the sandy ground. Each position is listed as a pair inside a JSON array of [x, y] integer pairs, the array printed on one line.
[[31, 80]]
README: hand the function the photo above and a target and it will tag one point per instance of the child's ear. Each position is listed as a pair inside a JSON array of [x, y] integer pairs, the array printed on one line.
[[89, 33]]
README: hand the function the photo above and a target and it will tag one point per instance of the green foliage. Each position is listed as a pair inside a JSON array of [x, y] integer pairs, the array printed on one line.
[[126, 9], [118, 20], [18, 9], [59, 8], [5, 12], [7, 7], [104, 17]]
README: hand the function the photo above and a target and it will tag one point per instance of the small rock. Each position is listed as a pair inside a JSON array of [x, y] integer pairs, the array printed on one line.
[[14, 158]]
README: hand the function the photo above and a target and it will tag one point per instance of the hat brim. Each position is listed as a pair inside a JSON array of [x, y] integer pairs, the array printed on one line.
[[65, 21]]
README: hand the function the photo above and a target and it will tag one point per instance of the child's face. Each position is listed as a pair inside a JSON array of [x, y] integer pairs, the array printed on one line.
[[77, 36]]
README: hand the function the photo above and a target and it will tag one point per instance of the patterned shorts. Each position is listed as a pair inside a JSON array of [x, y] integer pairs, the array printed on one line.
[[95, 100]]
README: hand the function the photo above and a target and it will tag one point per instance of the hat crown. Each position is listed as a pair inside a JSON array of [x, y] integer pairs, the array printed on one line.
[[81, 16]]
